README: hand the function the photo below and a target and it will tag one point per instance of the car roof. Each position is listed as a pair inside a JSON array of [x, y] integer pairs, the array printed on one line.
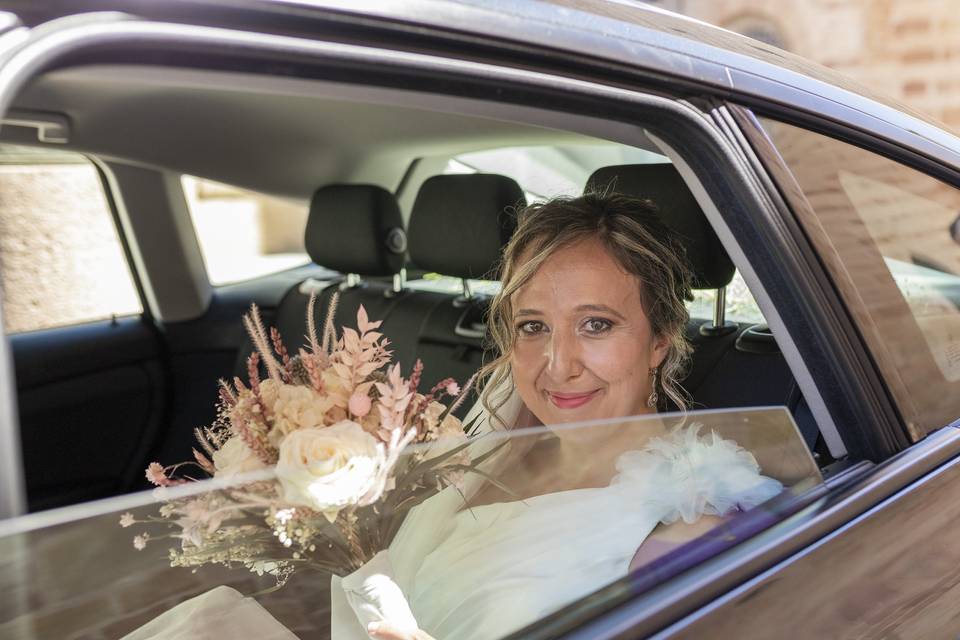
[[613, 32]]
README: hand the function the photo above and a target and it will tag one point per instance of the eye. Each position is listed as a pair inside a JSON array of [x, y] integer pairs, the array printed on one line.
[[531, 328], [597, 326]]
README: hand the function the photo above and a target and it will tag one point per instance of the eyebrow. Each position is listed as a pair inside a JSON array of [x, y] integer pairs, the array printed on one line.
[[583, 307], [527, 312], [602, 308]]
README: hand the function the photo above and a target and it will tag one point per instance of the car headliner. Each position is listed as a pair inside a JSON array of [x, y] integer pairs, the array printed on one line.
[[276, 135]]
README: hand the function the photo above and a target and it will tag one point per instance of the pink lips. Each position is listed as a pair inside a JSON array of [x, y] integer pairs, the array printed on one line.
[[570, 400]]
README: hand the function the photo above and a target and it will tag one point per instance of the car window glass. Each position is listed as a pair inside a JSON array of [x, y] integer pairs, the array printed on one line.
[[533, 520], [890, 235], [61, 258], [244, 234]]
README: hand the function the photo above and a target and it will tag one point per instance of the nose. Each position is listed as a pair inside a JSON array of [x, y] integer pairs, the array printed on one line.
[[563, 357]]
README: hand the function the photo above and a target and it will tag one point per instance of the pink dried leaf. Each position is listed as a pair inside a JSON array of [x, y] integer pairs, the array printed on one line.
[[393, 376], [385, 390], [351, 340], [204, 462], [364, 323], [364, 387], [367, 368], [343, 372], [400, 405], [371, 338]]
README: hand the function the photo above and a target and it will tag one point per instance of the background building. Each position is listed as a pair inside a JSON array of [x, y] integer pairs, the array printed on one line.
[[906, 49]]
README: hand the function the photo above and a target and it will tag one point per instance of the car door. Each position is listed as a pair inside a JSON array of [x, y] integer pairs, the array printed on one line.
[[823, 512], [90, 383], [883, 226]]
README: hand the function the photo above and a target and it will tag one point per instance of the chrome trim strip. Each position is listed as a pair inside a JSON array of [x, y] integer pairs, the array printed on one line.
[[13, 497]]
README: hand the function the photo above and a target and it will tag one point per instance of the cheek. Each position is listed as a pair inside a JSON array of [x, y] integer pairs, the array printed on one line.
[[526, 361], [621, 359]]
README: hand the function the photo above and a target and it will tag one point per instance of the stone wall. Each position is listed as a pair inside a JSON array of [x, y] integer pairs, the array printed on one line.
[[60, 256]]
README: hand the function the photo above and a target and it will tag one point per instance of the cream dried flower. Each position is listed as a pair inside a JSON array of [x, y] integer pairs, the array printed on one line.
[[126, 520], [235, 457], [297, 407], [140, 541]]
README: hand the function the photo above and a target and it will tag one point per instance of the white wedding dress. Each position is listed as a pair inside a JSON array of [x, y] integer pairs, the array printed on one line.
[[485, 572]]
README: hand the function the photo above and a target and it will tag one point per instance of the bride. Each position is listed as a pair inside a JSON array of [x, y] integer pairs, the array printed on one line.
[[589, 325]]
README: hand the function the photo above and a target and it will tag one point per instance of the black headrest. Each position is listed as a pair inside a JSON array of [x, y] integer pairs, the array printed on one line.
[[460, 223], [356, 228], [662, 184]]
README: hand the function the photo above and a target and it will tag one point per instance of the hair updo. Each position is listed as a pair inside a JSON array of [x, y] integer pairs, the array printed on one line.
[[631, 230]]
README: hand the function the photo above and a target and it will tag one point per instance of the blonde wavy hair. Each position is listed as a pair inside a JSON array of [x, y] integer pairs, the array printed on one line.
[[631, 230]]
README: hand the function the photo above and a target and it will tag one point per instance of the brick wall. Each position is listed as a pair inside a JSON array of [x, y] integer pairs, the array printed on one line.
[[906, 49]]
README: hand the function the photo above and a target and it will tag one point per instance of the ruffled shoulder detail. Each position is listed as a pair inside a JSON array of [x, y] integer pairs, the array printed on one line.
[[688, 475]]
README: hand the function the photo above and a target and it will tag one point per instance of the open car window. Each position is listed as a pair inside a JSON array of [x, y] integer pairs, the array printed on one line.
[[244, 234], [588, 505]]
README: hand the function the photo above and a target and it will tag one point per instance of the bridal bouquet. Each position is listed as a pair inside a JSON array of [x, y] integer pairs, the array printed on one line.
[[318, 456]]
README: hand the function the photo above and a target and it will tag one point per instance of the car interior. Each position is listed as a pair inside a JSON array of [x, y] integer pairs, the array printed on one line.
[[392, 212]]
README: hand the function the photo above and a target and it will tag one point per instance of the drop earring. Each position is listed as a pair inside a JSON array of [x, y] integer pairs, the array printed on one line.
[[652, 400]]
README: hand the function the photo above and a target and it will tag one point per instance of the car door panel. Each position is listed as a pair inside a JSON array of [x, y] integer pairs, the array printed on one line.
[[891, 572], [91, 398]]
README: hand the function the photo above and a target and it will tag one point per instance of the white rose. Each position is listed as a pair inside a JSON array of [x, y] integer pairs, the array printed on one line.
[[329, 468], [235, 457]]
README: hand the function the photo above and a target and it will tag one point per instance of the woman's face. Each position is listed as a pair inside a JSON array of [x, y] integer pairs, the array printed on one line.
[[584, 346]]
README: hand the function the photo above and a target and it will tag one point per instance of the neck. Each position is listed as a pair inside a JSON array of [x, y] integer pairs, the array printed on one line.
[[592, 451]]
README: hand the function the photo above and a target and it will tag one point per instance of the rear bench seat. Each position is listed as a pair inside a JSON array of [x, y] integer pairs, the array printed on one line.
[[356, 230], [458, 227]]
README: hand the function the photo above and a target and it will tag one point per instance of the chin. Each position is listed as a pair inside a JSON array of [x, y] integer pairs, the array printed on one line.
[[554, 415]]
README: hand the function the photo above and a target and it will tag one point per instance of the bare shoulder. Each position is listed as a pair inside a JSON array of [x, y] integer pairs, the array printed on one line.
[[667, 537], [680, 532]]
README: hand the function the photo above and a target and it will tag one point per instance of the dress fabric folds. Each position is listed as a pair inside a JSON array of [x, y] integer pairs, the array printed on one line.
[[485, 572]]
